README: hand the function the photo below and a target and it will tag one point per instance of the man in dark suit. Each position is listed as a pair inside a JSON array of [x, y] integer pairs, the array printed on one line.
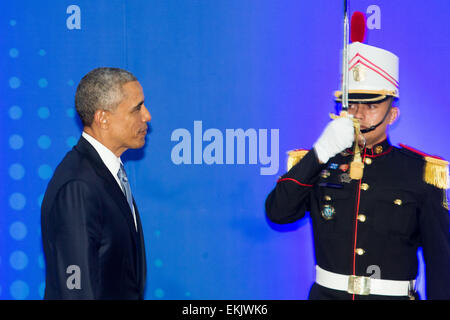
[[91, 230]]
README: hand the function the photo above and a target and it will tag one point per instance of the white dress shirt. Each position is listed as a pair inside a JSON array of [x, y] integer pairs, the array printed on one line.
[[110, 160]]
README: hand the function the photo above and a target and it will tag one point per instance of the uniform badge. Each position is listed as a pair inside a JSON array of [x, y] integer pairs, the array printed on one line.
[[359, 73], [344, 167], [345, 178], [325, 174], [333, 166], [378, 149], [328, 212]]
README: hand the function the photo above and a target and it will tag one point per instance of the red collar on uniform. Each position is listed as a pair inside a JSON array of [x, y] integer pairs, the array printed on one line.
[[378, 150]]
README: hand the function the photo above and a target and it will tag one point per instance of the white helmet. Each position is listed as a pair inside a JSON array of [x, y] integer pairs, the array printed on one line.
[[373, 74]]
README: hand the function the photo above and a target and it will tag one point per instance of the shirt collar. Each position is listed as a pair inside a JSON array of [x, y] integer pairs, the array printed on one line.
[[108, 157]]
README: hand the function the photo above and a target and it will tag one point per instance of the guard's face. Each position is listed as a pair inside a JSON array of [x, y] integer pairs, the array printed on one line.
[[128, 123], [370, 115]]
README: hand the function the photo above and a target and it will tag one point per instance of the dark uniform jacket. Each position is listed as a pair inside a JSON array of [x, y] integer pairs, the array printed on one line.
[[380, 220], [87, 226]]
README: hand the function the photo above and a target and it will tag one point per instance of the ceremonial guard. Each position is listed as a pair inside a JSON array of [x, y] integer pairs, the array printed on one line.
[[372, 204]]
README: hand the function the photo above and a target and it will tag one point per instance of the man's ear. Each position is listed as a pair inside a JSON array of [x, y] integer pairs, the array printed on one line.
[[101, 119], [394, 114]]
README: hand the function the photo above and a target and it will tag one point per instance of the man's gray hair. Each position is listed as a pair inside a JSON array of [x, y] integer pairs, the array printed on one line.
[[101, 89]]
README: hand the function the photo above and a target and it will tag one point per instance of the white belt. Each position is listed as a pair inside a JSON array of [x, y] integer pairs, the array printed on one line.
[[363, 285]]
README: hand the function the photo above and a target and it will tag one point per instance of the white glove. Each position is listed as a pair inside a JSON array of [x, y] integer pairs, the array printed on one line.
[[338, 135]]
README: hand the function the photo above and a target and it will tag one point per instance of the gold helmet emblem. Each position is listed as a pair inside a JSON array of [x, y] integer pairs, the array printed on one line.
[[358, 73]]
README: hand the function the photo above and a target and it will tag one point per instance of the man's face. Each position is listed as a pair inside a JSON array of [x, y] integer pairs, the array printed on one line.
[[127, 125], [370, 115]]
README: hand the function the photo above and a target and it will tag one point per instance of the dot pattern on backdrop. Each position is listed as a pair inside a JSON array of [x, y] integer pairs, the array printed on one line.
[[18, 259], [158, 293], [18, 230], [15, 112]]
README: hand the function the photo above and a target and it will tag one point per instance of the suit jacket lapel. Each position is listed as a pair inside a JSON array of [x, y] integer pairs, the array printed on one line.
[[110, 183]]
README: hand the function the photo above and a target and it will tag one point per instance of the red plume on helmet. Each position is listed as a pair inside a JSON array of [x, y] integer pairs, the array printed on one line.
[[357, 27]]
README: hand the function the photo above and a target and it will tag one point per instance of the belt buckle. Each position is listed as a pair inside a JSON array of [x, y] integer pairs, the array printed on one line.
[[358, 285]]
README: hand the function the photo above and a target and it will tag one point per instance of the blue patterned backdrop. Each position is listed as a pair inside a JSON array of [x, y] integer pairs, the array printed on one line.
[[207, 66]]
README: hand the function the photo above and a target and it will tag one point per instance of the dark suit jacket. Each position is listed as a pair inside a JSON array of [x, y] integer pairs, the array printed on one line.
[[91, 247]]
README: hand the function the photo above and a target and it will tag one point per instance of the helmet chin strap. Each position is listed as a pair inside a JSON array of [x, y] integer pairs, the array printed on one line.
[[371, 128]]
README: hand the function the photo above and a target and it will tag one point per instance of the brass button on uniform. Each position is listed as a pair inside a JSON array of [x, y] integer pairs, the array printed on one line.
[[364, 186], [368, 161], [359, 251], [327, 198], [361, 218], [398, 202]]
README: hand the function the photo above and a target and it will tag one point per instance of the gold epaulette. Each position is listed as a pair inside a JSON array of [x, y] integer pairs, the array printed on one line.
[[436, 172], [436, 169], [294, 156]]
